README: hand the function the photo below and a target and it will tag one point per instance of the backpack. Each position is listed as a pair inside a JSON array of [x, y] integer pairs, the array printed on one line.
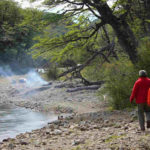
[[148, 97]]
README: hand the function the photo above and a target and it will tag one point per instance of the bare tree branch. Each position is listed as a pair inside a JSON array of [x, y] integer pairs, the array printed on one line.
[[106, 34], [74, 10], [93, 11], [74, 3], [72, 38], [78, 68]]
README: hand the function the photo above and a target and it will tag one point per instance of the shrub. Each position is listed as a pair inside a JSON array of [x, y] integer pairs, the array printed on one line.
[[144, 55], [120, 78]]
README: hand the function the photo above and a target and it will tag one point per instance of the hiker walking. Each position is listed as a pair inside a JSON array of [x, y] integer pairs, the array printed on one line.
[[139, 93]]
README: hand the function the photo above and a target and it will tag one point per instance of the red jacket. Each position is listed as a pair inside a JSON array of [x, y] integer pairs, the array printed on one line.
[[140, 90]]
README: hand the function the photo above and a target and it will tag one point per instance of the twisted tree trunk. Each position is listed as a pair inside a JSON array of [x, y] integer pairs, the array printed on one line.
[[123, 31], [126, 38]]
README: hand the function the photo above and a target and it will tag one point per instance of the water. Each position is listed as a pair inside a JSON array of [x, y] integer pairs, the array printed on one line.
[[16, 120]]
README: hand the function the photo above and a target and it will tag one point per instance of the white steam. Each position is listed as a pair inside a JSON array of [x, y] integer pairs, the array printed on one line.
[[34, 79], [6, 71], [30, 79]]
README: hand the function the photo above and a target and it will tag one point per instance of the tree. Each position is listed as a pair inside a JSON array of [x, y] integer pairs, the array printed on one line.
[[64, 48], [115, 16], [18, 27], [9, 16], [84, 34]]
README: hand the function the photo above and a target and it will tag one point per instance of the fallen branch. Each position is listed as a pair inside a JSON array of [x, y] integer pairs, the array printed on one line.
[[65, 85], [86, 82], [93, 87]]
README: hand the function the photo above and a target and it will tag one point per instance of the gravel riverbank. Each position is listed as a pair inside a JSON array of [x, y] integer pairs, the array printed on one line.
[[48, 97], [90, 127]]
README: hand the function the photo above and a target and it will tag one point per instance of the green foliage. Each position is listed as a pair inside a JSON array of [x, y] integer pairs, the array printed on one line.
[[9, 17], [114, 137], [9, 12], [144, 54], [72, 43], [66, 46], [18, 27], [94, 71], [16, 36], [52, 17], [120, 78]]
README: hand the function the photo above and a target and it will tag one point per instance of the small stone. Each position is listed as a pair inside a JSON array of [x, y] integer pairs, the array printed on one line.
[[6, 140], [117, 126], [69, 117], [73, 126], [68, 133], [57, 132], [66, 125], [51, 126], [23, 143], [126, 127], [37, 145], [83, 128], [95, 127], [60, 117], [47, 132], [78, 141], [44, 143], [106, 121], [57, 122], [11, 146]]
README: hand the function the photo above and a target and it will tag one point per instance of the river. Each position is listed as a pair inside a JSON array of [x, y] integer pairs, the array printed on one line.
[[16, 120]]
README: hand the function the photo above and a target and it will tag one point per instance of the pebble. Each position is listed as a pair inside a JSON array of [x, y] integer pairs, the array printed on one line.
[[57, 132], [23, 143], [78, 141]]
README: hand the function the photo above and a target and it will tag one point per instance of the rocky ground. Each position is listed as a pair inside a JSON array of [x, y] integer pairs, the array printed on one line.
[[48, 97], [91, 126]]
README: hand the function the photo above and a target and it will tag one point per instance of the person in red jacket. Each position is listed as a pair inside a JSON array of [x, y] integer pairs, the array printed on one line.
[[139, 93]]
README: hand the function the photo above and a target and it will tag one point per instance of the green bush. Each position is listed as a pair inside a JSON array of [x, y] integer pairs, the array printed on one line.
[[93, 73], [120, 78], [144, 55]]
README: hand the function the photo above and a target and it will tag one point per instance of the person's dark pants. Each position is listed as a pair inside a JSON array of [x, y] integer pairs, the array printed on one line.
[[143, 108]]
